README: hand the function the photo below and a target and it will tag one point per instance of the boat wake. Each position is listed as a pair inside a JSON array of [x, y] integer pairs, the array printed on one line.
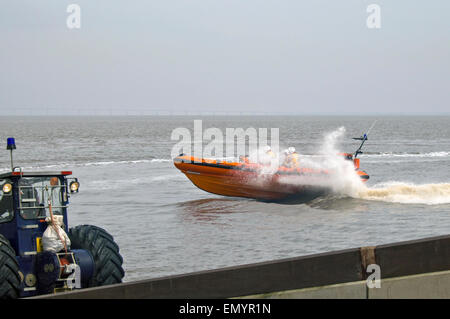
[[399, 192]]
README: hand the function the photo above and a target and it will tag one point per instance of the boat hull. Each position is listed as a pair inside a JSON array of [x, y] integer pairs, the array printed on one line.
[[246, 180]]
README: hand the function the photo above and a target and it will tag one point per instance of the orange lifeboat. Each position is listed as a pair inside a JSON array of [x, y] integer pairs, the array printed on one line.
[[244, 179]]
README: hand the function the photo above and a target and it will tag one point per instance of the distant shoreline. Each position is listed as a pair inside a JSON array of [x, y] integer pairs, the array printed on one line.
[[218, 114]]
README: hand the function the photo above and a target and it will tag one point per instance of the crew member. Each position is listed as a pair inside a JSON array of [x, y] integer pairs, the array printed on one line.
[[292, 158], [269, 152], [267, 156]]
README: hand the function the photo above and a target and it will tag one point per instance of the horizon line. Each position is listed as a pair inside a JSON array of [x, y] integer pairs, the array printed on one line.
[[168, 114]]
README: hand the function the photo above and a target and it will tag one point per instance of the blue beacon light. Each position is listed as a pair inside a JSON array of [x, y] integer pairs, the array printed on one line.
[[10, 143]]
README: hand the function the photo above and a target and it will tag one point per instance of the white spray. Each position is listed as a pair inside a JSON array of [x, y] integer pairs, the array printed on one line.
[[341, 176]]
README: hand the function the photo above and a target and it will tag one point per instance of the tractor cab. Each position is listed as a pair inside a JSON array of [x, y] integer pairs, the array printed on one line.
[[26, 199], [39, 253]]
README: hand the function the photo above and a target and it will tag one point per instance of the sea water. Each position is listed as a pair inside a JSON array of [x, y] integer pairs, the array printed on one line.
[[165, 225]]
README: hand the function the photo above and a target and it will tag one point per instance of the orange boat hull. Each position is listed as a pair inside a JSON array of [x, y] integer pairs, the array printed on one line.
[[245, 180]]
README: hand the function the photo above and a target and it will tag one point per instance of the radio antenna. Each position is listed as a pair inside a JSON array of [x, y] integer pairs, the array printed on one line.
[[363, 138]]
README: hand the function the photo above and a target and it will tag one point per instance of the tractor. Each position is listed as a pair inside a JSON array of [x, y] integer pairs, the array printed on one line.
[[30, 204]]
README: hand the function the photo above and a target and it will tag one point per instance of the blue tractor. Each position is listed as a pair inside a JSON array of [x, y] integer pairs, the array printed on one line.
[[30, 202]]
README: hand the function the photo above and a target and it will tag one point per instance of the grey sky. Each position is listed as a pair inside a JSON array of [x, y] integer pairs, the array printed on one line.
[[225, 55]]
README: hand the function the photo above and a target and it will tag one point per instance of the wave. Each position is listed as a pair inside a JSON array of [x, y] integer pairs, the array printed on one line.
[[153, 160], [100, 163], [406, 193], [393, 154], [390, 155]]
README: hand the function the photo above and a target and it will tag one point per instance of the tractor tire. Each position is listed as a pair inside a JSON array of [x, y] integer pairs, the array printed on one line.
[[105, 252], [9, 271]]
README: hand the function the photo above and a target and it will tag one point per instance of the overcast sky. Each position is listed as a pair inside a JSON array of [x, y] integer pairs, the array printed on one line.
[[225, 55]]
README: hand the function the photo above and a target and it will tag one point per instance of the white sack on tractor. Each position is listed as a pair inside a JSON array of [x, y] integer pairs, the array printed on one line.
[[55, 238]]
